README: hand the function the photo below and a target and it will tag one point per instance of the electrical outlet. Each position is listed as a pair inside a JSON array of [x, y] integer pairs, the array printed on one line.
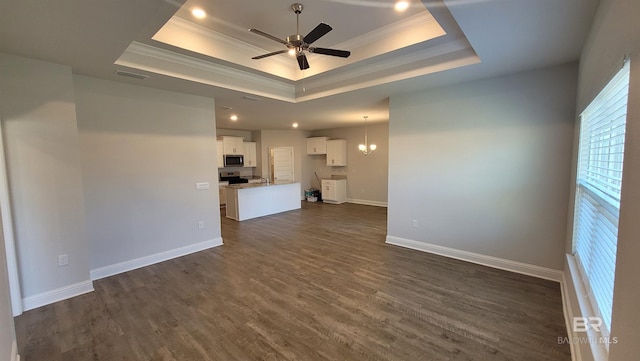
[[200, 224], [414, 223], [63, 260]]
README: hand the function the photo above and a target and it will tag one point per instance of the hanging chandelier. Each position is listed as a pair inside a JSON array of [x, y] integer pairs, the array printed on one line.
[[366, 148]]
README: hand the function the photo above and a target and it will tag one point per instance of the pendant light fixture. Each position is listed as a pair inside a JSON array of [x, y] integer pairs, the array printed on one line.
[[366, 148]]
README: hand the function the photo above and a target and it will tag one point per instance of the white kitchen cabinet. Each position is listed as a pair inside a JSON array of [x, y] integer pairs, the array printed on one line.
[[220, 151], [334, 191], [317, 145], [337, 152], [232, 145], [223, 194], [250, 158]]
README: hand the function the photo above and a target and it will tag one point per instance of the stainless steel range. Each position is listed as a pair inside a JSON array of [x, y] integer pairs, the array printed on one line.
[[232, 178]]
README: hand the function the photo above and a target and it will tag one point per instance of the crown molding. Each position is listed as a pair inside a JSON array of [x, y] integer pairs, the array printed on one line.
[[391, 62], [410, 23], [457, 60], [161, 61], [194, 37], [220, 38], [199, 39], [381, 70]]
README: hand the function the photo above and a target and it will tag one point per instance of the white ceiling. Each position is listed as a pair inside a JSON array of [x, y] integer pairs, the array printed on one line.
[[483, 38], [233, 18], [223, 34]]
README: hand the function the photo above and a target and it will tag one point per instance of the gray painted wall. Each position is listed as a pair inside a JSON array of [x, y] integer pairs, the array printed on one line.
[[142, 152], [615, 32], [285, 138], [44, 173], [366, 175], [484, 167]]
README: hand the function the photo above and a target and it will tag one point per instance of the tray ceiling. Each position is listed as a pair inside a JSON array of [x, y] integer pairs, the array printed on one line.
[[386, 46]]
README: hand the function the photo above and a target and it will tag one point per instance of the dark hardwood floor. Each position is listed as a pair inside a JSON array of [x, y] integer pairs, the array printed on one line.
[[314, 284]]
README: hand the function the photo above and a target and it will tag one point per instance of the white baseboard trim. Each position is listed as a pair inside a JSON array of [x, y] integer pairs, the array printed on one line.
[[14, 351], [495, 262], [59, 294], [130, 265], [367, 202]]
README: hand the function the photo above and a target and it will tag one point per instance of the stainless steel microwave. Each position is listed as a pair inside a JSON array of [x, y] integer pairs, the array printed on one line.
[[234, 161]]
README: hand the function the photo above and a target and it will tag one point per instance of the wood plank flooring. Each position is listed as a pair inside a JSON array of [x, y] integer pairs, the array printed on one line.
[[313, 284]]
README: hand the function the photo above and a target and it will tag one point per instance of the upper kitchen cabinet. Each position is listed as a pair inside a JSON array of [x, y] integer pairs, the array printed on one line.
[[220, 155], [317, 145], [232, 145], [337, 152], [250, 158]]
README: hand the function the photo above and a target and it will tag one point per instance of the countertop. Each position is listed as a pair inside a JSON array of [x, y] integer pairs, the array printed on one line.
[[256, 185]]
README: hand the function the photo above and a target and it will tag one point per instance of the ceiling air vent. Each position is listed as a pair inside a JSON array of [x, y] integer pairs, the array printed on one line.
[[131, 75]]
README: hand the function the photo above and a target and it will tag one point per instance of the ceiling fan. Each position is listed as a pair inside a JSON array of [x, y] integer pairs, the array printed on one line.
[[297, 44]]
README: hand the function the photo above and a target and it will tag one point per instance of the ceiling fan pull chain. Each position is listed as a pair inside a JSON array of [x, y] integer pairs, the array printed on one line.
[[304, 89]]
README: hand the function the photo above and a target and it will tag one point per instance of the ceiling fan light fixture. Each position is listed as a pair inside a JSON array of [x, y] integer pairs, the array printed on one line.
[[292, 51]]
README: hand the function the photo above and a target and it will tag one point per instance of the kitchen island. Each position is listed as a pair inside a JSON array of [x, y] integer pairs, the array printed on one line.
[[246, 201]]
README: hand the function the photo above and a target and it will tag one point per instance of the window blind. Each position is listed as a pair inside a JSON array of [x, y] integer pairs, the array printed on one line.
[[598, 188]]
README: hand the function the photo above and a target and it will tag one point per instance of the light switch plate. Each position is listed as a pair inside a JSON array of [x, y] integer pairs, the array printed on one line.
[[202, 186]]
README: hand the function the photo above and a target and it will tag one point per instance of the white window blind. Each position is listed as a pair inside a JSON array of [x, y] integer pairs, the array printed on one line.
[[599, 182]]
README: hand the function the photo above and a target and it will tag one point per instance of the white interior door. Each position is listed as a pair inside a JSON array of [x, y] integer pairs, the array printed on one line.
[[282, 164]]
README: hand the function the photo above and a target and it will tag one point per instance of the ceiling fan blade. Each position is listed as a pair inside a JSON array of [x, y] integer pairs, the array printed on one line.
[[270, 54], [319, 31], [302, 61], [332, 52], [268, 36]]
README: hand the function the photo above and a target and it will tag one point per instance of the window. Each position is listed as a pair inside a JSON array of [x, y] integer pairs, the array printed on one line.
[[599, 182]]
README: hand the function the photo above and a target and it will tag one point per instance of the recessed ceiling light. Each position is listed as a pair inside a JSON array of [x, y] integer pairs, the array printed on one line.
[[198, 13], [295, 125], [234, 118], [401, 5]]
